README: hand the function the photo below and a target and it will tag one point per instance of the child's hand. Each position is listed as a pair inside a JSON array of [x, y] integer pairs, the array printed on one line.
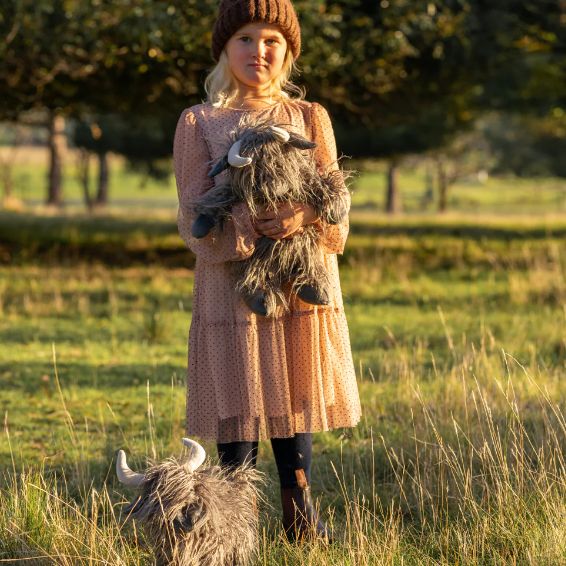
[[289, 218]]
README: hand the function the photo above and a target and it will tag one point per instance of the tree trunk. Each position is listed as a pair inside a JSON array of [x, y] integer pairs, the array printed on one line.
[[102, 195], [57, 147], [393, 202], [84, 174], [442, 186]]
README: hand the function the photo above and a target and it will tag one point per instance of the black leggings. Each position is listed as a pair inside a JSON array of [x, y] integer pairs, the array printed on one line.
[[290, 454]]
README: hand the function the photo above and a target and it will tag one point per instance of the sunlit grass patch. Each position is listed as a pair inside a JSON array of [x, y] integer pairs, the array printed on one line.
[[458, 333], [467, 469]]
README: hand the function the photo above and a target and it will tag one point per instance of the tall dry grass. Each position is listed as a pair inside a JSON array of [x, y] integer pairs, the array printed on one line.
[[477, 476], [40, 523]]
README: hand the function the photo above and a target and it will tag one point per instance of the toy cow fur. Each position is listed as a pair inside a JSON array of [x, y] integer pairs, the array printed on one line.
[[268, 164], [192, 516]]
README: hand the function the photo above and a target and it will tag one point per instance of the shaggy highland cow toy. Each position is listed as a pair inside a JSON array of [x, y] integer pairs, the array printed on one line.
[[193, 517], [268, 164]]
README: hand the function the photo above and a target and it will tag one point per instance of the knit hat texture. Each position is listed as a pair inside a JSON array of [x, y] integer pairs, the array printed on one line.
[[233, 14]]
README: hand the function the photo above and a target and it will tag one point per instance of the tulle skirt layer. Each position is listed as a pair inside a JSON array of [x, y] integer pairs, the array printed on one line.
[[271, 378]]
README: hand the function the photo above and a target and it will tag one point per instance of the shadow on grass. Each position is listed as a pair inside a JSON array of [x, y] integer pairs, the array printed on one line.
[[135, 240], [99, 304], [28, 377], [115, 241]]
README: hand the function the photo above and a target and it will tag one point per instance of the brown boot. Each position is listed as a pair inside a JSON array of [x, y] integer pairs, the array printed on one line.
[[300, 520]]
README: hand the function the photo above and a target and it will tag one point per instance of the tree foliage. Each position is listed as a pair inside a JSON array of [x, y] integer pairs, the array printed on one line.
[[398, 76]]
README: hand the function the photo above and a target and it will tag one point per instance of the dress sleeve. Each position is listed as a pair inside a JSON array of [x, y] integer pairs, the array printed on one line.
[[334, 236], [190, 157]]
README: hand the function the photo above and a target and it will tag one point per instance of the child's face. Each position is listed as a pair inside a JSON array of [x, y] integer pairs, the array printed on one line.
[[252, 44]]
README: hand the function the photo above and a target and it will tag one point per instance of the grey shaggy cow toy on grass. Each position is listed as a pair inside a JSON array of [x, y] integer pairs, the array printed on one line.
[[267, 164], [192, 516]]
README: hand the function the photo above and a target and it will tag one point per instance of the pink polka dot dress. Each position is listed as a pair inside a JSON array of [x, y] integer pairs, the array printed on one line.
[[251, 377]]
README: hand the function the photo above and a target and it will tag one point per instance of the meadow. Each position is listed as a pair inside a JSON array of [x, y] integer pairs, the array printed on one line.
[[458, 330], [499, 195]]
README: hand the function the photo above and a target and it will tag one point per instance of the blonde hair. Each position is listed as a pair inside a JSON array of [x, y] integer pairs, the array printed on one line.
[[222, 89]]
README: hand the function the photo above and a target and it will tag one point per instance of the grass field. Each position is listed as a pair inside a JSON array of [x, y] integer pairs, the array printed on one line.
[[458, 330], [498, 195]]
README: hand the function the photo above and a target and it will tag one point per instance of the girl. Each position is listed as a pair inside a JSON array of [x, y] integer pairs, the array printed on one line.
[[251, 378]]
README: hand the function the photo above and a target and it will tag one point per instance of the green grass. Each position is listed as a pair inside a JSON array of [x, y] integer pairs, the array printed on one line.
[[458, 330], [505, 195], [30, 182]]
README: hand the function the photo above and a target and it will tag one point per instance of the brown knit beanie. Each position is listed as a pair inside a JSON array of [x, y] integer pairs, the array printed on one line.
[[233, 14]]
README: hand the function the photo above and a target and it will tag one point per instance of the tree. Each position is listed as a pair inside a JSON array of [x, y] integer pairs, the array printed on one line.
[[385, 70], [146, 144], [75, 58], [404, 76], [57, 147], [528, 145]]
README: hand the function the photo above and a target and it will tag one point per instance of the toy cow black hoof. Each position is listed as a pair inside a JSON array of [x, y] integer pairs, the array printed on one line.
[[313, 295], [257, 304], [202, 226]]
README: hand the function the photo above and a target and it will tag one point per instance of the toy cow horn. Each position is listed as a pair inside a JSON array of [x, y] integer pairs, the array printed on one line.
[[280, 134], [125, 475], [234, 157], [222, 165], [291, 138], [299, 142], [196, 454]]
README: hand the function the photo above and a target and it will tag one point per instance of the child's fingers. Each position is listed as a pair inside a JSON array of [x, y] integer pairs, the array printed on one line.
[[268, 224], [278, 234], [273, 225], [267, 216], [266, 213], [271, 232]]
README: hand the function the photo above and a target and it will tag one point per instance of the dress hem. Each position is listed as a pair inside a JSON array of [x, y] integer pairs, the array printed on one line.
[[262, 437]]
